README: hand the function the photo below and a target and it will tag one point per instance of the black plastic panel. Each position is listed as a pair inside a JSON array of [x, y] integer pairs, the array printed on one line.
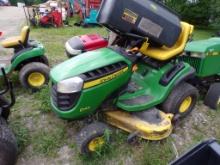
[[143, 17]]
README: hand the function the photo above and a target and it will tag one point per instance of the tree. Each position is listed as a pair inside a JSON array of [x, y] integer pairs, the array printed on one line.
[[215, 13], [197, 12]]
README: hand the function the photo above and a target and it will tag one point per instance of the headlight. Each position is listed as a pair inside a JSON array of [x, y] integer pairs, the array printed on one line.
[[70, 85], [193, 54], [72, 51], [197, 54]]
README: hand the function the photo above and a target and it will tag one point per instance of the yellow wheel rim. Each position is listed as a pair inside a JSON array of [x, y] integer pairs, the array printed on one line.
[[36, 79], [96, 143], [185, 104]]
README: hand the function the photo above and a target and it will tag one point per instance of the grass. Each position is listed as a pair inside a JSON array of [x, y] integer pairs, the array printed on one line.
[[42, 95], [157, 153], [41, 135], [22, 134], [203, 34], [48, 142]]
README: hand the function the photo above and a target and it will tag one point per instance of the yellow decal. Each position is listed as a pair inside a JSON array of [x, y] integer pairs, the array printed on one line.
[[104, 79], [213, 53], [84, 109], [129, 16]]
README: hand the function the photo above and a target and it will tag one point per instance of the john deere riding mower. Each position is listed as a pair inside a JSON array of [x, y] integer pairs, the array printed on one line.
[[8, 145], [204, 56], [138, 84], [28, 59]]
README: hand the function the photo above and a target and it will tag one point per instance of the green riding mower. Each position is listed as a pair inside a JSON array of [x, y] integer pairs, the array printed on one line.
[[204, 56], [28, 59], [8, 144], [137, 84]]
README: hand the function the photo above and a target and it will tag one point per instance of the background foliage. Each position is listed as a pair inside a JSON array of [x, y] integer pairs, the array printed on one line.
[[27, 2], [198, 12]]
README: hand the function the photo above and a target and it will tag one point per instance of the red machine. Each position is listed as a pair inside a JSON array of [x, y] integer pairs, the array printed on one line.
[[84, 43], [54, 18], [87, 10], [92, 4]]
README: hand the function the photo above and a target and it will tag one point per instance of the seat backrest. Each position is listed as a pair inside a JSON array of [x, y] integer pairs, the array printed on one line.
[[25, 35], [164, 53], [187, 30]]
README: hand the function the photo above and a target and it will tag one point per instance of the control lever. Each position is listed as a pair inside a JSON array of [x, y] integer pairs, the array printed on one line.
[[12, 96], [21, 44], [5, 81]]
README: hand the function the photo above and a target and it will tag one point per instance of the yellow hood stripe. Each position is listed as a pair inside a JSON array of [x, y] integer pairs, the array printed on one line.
[[104, 79]]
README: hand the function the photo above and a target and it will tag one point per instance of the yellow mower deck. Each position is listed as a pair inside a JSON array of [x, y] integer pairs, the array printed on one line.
[[146, 130]]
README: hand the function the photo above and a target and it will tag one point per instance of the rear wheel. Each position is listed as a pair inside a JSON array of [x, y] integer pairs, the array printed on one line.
[[92, 138], [34, 75], [8, 145], [181, 101], [212, 98]]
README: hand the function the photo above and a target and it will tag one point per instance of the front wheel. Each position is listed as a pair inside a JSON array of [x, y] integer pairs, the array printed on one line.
[[34, 75], [93, 138], [181, 101]]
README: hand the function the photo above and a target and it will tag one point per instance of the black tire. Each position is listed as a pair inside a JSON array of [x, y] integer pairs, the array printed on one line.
[[44, 59], [212, 98], [5, 111], [176, 98], [8, 145], [89, 133], [32, 67]]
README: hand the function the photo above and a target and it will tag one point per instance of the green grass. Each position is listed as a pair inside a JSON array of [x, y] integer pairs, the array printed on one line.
[[41, 134], [42, 95], [157, 153], [47, 142], [54, 39], [200, 34], [22, 134]]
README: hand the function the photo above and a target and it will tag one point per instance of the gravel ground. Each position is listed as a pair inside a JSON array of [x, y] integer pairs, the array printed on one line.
[[11, 19]]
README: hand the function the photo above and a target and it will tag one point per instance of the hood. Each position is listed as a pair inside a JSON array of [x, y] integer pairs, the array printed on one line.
[[204, 46], [85, 62]]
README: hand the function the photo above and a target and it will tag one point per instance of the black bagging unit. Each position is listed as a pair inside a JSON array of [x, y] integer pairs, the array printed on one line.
[[205, 153], [147, 18]]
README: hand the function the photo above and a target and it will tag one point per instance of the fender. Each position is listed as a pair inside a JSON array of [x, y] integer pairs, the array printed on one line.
[[191, 74], [26, 54], [148, 91]]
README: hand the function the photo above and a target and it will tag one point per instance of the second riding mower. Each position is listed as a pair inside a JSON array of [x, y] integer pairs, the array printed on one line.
[[28, 59], [8, 144], [204, 56], [136, 85]]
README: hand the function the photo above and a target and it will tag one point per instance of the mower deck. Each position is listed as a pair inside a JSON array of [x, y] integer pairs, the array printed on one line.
[[151, 124]]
